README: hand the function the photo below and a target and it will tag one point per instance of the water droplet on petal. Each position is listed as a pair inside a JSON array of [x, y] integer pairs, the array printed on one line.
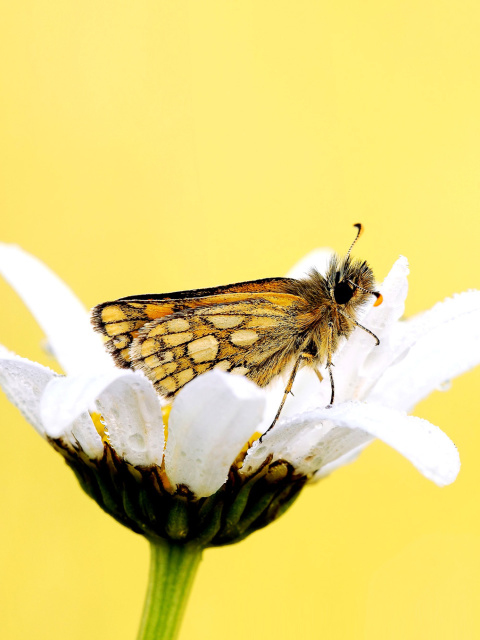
[[445, 386]]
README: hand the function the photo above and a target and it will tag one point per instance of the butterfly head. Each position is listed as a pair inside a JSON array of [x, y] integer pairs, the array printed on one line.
[[351, 280]]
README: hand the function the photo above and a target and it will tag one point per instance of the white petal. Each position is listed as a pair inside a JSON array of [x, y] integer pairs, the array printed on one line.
[[347, 458], [82, 432], [394, 290], [128, 403], [308, 445], [317, 259], [211, 420], [57, 310], [65, 411], [66, 398], [427, 447], [345, 428], [437, 346], [133, 417], [24, 382]]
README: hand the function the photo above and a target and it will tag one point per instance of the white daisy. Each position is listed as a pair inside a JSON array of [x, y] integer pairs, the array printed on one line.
[[203, 483]]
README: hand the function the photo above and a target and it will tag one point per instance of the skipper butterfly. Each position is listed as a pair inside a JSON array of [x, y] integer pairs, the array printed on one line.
[[258, 329]]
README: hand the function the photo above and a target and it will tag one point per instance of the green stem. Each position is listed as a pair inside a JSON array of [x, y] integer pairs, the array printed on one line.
[[172, 570]]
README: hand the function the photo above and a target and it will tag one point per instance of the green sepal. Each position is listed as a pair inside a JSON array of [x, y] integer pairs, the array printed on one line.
[[136, 498], [177, 526], [212, 528]]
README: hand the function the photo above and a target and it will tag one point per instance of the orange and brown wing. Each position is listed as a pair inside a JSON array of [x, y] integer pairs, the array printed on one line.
[[274, 285], [120, 320], [256, 337]]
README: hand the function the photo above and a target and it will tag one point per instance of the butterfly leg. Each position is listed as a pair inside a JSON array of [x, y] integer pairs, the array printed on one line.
[[329, 361], [357, 324], [321, 379], [288, 388], [329, 367]]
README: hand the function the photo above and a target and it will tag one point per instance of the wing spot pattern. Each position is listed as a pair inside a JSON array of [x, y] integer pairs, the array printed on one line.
[[158, 373], [225, 322], [123, 327], [159, 330], [201, 368], [244, 337], [203, 349], [223, 365], [261, 322], [121, 341], [184, 376], [176, 339], [168, 385], [126, 354], [153, 361], [149, 347], [112, 313], [178, 324], [241, 371]]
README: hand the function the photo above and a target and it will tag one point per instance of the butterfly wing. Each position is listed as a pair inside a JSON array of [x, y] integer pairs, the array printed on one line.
[[256, 336], [120, 320]]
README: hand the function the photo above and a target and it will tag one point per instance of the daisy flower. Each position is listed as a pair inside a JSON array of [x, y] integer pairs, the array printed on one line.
[[195, 474]]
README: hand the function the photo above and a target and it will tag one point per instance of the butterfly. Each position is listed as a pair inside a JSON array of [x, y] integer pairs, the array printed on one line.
[[258, 329]]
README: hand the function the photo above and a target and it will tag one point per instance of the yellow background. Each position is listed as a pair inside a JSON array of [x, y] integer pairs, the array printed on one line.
[[154, 146]]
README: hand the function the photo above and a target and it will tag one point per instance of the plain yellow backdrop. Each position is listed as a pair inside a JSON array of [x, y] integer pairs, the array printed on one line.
[[163, 145]]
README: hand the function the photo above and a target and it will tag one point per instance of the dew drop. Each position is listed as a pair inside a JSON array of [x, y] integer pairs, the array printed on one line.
[[137, 442], [445, 386]]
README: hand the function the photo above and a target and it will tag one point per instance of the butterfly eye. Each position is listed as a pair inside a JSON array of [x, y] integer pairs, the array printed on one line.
[[343, 292]]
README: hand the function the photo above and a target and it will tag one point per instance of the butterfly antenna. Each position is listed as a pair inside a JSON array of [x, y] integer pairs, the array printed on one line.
[[378, 296], [359, 233]]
